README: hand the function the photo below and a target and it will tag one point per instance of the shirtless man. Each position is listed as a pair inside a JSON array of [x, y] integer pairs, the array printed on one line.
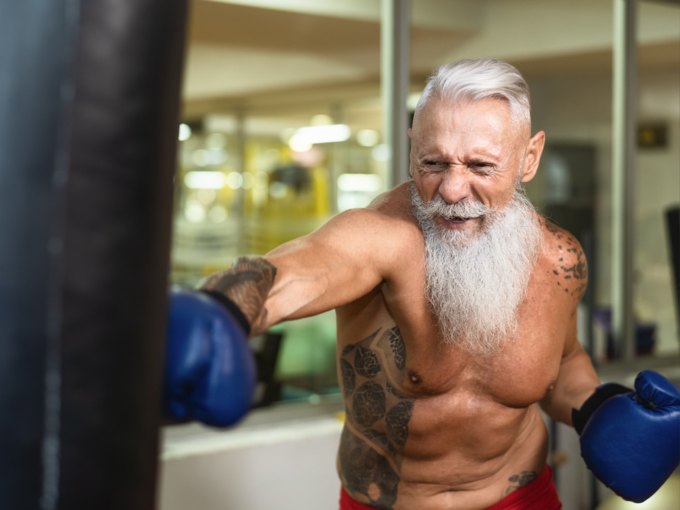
[[456, 307]]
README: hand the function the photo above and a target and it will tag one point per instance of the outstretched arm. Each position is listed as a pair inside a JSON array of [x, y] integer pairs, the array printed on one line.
[[330, 267]]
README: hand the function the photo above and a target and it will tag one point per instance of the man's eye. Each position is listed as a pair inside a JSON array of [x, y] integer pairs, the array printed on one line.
[[482, 168], [433, 164]]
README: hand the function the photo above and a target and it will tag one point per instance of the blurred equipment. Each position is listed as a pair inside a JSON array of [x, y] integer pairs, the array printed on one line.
[[297, 203], [90, 94], [266, 348], [645, 336]]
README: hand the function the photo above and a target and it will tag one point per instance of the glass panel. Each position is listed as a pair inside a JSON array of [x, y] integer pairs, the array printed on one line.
[[657, 179], [281, 130]]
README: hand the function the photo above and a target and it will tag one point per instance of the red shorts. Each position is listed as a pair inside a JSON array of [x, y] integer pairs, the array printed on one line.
[[539, 494]]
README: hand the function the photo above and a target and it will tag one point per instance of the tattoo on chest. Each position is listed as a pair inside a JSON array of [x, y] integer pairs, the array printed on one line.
[[520, 480], [378, 414]]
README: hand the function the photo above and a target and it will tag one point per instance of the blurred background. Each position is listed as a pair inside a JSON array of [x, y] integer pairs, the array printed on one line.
[[283, 126]]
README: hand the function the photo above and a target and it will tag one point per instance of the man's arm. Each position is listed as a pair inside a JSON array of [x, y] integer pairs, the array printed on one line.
[[576, 381], [340, 262]]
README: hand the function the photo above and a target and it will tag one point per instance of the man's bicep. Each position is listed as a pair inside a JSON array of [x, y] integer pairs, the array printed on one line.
[[334, 265]]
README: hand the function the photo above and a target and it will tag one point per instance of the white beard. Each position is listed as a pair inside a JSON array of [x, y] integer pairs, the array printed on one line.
[[476, 281]]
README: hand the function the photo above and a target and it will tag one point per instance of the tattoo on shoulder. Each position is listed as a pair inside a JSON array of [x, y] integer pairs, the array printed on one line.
[[520, 480], [378, 416], [572, 276], [247, 284]]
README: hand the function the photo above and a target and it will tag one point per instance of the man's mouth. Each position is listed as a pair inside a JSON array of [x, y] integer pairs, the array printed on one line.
[[458, 222], [456, 219]]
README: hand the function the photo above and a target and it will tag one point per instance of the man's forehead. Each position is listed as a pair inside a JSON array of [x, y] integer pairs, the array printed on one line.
[[487, 123], [495, 112]]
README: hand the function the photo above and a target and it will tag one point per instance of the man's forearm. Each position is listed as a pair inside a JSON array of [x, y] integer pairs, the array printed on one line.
[[247, 284]]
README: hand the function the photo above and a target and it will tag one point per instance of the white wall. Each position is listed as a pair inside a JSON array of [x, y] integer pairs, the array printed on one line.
[[283, 474]]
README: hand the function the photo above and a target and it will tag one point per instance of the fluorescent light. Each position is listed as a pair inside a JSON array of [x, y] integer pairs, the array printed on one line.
[[359, 182], [299, 145], [205, 180], [321, 134], [184, 132]]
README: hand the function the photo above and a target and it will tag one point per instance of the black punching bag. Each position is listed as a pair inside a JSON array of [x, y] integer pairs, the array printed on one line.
[[89, 97]]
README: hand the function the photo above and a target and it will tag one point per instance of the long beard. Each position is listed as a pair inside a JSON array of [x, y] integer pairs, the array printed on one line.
[[477, 280]]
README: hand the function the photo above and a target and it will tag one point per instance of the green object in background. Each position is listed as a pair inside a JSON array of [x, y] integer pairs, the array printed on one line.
[[309, 346], [666, 498]]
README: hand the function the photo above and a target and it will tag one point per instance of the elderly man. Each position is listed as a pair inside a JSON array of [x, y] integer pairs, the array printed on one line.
[[456, 311]]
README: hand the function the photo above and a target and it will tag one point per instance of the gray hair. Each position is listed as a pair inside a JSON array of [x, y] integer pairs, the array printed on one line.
[[474, 80]]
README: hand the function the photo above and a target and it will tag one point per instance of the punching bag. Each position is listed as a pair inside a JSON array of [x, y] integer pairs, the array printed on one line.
[[89, 98]]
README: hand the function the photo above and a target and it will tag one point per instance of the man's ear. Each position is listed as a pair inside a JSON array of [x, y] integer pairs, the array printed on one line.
[[410, 133], [533, 156]]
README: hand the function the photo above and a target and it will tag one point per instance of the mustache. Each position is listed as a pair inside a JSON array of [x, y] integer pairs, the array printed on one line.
[[461, 209]]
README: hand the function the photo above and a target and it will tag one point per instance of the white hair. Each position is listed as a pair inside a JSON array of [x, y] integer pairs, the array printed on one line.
[[474, 80]]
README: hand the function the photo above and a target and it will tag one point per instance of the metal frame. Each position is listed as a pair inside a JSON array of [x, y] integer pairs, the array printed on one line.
[[394, 81], [623, 174]]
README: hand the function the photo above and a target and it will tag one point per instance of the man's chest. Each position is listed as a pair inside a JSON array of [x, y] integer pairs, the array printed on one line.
[[407, 346]]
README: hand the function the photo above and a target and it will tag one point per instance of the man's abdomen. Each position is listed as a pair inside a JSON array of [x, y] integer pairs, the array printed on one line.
[[443, 451]]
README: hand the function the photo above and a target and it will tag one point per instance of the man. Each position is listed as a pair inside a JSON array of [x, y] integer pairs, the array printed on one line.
[[456, 309]]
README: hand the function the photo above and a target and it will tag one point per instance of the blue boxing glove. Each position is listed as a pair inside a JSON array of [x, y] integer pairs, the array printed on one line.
[[630, 439], [210, 372]]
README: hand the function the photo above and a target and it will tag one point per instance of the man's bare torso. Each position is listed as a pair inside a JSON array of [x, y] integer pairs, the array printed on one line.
[[428, 425]]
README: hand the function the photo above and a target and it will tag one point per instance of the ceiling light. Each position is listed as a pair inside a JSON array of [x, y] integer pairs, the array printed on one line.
[[205, 180], [184, 132], [359, 182], [321, 134]]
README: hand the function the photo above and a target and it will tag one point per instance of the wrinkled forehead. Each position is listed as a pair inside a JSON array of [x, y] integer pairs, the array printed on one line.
[[488, 118]]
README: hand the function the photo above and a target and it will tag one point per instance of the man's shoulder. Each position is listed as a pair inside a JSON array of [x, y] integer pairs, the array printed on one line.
[[385, 228], [390, 213], [563, 258]]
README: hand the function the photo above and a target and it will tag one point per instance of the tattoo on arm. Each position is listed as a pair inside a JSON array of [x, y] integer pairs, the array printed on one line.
[[247, 284], [520, 480]]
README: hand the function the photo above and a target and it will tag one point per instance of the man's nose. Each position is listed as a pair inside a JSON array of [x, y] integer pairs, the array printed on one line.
[[455, 184]]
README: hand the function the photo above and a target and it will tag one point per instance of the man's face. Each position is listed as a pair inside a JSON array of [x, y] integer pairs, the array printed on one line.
[[470, 153]]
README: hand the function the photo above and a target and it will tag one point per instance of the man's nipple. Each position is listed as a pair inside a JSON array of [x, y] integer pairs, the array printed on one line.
[[415, 378]]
